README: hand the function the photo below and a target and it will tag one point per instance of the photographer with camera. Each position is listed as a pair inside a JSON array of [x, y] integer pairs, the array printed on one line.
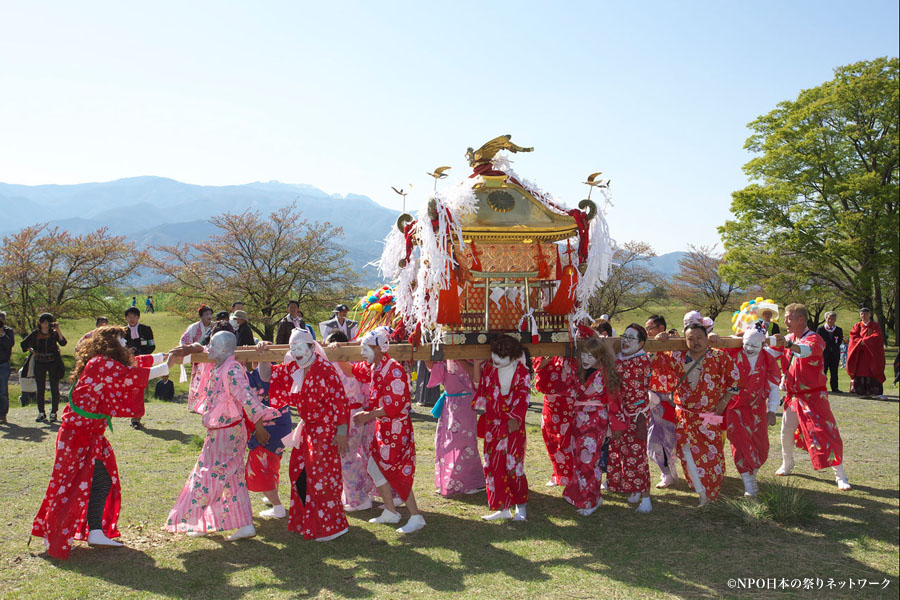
[[44, 342]]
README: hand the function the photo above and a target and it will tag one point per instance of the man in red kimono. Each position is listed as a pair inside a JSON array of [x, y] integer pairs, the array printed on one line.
[[308, 382], [807, 419], [392, 463], [865, 357], [752, 410], [84, 495], [702, 381]]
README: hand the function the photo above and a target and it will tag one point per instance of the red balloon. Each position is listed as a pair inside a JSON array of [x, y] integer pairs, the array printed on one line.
[[384, 300]]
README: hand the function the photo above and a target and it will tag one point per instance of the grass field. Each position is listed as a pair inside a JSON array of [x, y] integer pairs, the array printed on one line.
[[679, 550]]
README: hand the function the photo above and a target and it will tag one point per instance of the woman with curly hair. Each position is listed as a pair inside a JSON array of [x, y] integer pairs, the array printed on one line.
[[84, 495], [596, 409]]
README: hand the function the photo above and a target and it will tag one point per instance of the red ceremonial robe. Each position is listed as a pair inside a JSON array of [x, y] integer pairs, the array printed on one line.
[[745, 417], [629, 470], [504, 451], [807, 396], [393, 447], [694, 426], [106, 387], [595, 411], [321, 405], [557, 381], [865, 355]]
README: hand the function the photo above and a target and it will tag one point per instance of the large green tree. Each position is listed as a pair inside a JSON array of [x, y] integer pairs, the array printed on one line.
[[823, 202]]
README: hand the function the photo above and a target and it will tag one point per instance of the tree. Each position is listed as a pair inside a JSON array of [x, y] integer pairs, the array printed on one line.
[[699, 284], [630, 283], [263, 261], [44, 269], [823, 197]]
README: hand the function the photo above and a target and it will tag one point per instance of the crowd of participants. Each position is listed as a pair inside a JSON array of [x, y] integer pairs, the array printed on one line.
[[605, 416]]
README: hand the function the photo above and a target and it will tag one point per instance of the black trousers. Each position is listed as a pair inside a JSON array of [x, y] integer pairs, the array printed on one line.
[[41, 372], [832, 363], [100, 486]]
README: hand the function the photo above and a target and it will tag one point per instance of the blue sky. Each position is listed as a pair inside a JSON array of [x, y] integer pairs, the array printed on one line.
[[357, 97]]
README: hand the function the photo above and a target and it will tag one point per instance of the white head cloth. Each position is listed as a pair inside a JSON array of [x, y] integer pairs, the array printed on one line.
[[380, 336], [694, 316]]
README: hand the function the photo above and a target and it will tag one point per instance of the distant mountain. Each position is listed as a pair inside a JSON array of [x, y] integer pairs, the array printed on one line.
[[162, 211], [666, 264]]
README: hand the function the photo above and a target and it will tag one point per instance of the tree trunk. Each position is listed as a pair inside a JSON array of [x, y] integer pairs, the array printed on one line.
[[879, 306], [897, 315]]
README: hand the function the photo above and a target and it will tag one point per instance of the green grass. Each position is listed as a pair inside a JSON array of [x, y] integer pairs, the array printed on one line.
[[678, 550]]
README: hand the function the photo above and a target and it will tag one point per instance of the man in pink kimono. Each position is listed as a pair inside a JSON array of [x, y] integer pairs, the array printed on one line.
[[215, 495]]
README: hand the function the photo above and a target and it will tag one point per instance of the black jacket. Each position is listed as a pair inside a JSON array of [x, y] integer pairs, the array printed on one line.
[[144, 343], [833, 341], [286, 326], [165, 390], [244, 335], [46, 350], [7, 340]]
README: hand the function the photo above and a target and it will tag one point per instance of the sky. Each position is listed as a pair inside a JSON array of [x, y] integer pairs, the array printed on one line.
[[356, 97]]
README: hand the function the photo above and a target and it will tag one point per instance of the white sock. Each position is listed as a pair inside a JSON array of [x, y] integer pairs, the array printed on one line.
[[695, 476], [247, 531], [415, 523], [328, 538], [749, 484], [645, 506], [841, 477], [520, 512], [634, 498], [500, 514]]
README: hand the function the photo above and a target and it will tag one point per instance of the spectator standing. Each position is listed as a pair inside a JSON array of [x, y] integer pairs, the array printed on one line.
[[139, 340], [291, 321], [339, 322], [243, 332], [7, 339], [165, 389], [865, 357], [148, 303], [44, 342], [134, 300], [834, 339]]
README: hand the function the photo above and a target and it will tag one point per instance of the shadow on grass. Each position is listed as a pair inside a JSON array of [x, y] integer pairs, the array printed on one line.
[[666, 558], [12, 431], [170, 435]]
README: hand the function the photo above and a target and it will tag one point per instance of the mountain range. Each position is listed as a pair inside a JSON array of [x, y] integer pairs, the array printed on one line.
[[159, 211]]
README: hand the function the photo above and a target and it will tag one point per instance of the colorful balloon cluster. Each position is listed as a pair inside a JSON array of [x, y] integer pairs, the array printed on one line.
[[750, 313], [378, 301]]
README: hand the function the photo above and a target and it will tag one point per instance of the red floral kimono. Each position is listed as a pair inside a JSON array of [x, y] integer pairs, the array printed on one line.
[[629, 470], [745, 417], [393, 447], [807, 395], [696, 425], [595, 411], [557, 382], [106, 387], [504, 451], [315, 468]]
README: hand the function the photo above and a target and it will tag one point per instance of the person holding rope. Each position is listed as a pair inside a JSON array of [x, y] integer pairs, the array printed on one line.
[[83, 497], [700, 381], [807, 419]]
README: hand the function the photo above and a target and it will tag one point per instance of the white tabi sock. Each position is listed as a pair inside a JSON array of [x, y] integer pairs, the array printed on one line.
[[749, 484], [97, 538], [500, 514], [645, 506], [695, 476], [841, 477], [520, 513]]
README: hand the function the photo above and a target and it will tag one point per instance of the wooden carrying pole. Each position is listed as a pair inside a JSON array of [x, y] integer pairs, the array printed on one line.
[[405, 352]]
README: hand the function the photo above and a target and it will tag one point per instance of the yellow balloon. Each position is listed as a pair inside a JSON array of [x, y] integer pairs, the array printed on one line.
[[745, 305], [372, 307], [759, 298], [377, 307], [370, 293]]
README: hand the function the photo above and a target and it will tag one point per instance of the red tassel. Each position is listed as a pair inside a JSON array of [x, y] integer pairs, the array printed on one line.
[[564, 300], [448, 303]]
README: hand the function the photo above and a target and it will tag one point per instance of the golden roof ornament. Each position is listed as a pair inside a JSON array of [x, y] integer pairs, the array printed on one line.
[[486, 153]]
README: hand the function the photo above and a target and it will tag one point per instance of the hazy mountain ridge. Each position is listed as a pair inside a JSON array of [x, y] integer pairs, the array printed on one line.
[[156, 211]]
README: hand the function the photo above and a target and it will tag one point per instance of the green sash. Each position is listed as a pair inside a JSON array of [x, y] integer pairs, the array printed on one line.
[[86, 414]]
